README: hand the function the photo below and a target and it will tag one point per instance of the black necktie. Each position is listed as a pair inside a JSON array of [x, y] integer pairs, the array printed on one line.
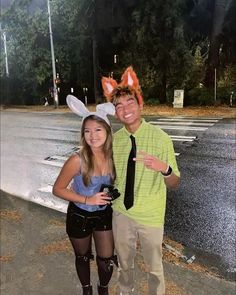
[[129, 187]]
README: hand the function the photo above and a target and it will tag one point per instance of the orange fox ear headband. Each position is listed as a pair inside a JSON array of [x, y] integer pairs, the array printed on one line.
[[129, 78]]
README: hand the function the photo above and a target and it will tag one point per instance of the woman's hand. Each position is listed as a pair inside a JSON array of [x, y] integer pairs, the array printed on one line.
[[100, 198]]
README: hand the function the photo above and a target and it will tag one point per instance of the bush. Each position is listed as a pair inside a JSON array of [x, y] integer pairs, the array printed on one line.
[[199, 96], [223, 95], [152, 101]]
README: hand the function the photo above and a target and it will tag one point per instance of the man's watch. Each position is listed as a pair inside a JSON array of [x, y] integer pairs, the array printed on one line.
[[168, 172]]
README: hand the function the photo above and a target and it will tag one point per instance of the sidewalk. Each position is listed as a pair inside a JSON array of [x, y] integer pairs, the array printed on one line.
[[37, 259]]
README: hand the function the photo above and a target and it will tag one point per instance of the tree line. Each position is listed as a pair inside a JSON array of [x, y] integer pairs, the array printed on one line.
[[181, 44]]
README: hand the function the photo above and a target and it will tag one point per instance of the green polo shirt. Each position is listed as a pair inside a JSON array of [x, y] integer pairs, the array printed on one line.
[[149, 189]]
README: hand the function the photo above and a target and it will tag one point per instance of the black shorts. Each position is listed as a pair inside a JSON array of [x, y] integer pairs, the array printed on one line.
[[81, 223]]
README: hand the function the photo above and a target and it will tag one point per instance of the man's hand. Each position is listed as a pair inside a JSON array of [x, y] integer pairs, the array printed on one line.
[[154, 163], [151, 162]]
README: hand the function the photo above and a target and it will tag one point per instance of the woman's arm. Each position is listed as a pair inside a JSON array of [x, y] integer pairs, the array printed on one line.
[[60, 187]]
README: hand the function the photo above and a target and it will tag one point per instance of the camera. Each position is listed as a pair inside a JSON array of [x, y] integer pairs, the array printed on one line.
[[110, 190]]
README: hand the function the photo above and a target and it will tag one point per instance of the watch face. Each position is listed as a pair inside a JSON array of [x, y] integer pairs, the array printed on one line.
[[168, 172]]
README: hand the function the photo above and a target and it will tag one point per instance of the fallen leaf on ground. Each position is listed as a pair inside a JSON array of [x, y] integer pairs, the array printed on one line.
[[56, 222], [54, 247], [6, 258], [173, 289], [11, 215]]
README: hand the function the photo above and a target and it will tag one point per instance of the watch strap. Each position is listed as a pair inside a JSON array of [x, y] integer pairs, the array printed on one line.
[[168, 172]]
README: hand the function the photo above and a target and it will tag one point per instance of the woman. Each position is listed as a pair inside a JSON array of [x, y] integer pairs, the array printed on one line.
[[89, 212]]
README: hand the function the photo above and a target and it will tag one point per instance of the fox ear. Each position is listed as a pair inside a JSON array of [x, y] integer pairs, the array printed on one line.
[[130, 78], [108, 85]]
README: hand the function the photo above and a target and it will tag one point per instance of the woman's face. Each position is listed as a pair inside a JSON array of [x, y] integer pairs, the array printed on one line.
[[95, 134]]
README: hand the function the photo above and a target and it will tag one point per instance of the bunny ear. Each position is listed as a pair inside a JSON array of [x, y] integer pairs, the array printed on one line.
[[107, 108], [104, 109], [129, 78], [108, 84], [77, 106]]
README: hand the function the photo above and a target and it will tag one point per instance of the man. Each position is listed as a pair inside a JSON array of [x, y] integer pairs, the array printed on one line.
[[139, 213]]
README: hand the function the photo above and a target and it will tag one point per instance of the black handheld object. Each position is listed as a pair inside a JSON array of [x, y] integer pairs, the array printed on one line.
[[111, 191]]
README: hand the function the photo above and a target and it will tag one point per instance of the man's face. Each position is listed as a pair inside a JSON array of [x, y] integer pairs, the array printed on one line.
[[128, 111]]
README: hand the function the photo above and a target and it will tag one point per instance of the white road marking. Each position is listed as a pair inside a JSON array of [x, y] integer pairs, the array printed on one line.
[[182, 139], [46, 189], [189, 119], [187, 128], [183, 136], [62, 158], [52, 163], [182, 123]]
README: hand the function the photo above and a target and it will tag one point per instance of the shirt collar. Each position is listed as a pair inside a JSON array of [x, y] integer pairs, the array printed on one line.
[[138, 131]]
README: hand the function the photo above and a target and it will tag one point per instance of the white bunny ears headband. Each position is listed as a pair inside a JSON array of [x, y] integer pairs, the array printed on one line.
[[102, 110]]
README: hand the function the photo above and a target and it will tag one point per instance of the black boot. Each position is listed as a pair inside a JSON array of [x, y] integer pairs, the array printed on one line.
[[103, 290], [87, 290]]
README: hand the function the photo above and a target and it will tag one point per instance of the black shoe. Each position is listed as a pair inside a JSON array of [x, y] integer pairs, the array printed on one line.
[[87, 290], [103, 290]]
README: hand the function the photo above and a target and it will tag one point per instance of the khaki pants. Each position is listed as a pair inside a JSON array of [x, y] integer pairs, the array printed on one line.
[[126, 232]]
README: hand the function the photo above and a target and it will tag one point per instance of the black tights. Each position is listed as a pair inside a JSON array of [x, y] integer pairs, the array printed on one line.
[[104, 245]]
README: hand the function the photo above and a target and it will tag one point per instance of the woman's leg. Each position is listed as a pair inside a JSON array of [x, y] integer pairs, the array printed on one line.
[[82, 250], [105, 255], [79, 232], [105, 258]]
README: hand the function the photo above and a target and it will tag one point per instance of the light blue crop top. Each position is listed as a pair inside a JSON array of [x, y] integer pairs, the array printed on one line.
[[90, 190]]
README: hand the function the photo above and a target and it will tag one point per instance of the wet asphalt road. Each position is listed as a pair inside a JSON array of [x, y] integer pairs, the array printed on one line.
[[200, 214]]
